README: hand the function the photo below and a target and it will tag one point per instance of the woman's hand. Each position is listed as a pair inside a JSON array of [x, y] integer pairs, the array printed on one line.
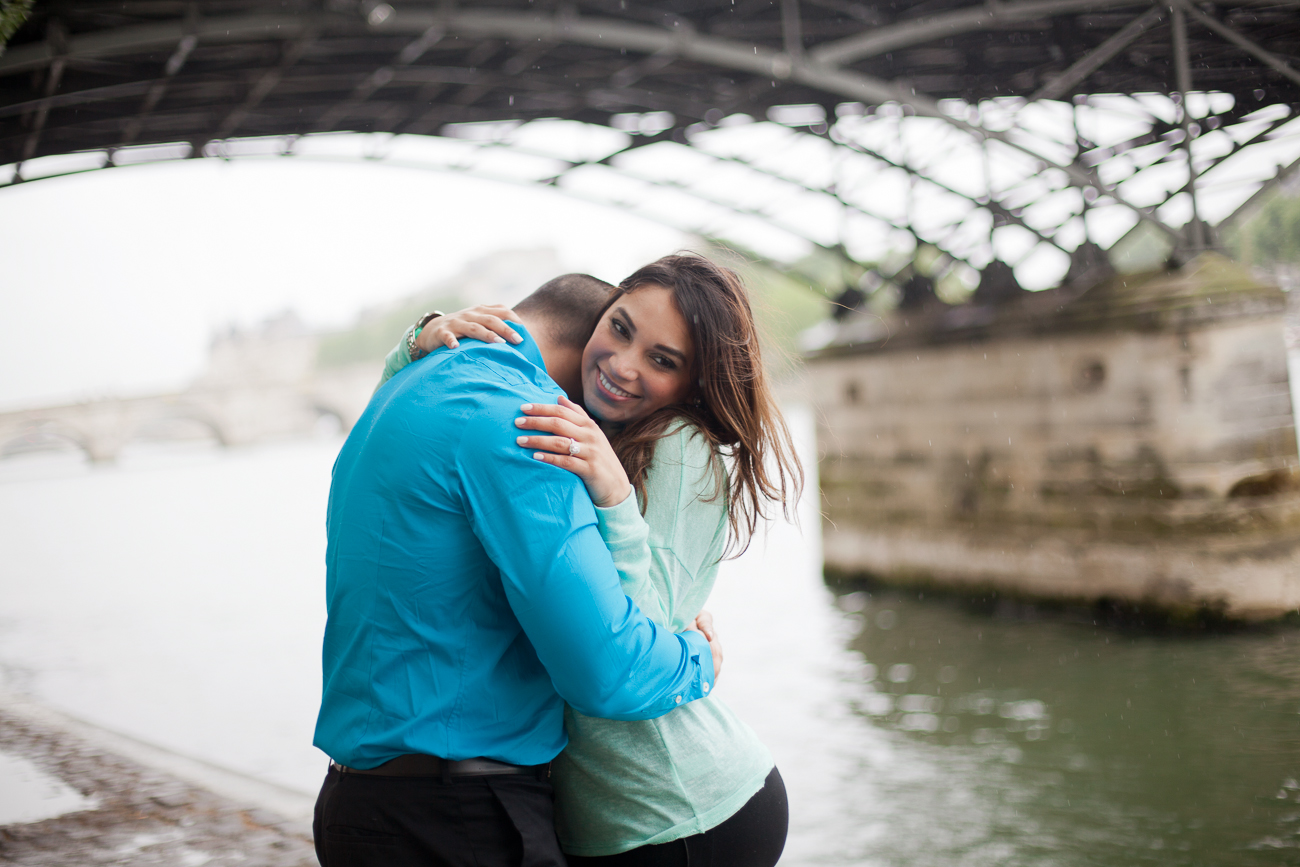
[[703, 624], [486, 322], [577, 444]]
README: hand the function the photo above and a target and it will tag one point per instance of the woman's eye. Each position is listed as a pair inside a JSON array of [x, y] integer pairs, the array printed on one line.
[[664, 362], [618, 327]]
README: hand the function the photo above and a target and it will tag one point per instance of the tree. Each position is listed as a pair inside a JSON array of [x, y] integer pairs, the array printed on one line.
[[12, 15], [1271, 236]]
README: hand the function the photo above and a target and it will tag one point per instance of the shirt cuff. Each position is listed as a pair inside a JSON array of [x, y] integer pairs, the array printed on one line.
[[704, 656]]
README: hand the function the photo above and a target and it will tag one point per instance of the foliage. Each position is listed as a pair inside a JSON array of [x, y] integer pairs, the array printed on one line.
[[12, 15], [369, 341], [1271, 236], [787, 300]]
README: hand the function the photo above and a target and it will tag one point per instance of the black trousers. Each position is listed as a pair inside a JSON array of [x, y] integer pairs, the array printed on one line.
[[490, 821], [753, 837]]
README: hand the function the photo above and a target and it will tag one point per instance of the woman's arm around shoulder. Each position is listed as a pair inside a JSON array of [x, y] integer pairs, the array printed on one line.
[[668, 557], [486, 322], [662, 555]]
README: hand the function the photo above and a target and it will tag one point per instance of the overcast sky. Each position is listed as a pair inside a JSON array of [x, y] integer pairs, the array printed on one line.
[[112, 281]]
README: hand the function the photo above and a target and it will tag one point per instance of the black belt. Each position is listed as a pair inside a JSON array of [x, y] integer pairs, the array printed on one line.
[[419, 765]]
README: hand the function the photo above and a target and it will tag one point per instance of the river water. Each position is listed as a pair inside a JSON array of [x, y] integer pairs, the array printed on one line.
[[177, 597]]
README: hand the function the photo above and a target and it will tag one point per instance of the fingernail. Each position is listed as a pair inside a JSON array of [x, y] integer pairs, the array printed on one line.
[[519, 422], [455, 343], [523, 441], [497, 338], [541, 456], [515, 338], [528, 407]]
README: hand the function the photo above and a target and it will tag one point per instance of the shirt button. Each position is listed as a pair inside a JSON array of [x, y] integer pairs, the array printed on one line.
[[679, 699], [706, 687]]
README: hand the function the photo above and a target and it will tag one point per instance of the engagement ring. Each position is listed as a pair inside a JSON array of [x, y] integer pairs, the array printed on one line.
[[574, 448]]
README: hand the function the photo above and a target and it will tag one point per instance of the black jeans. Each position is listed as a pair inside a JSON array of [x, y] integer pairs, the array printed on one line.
[[489, 821], [753, 837]]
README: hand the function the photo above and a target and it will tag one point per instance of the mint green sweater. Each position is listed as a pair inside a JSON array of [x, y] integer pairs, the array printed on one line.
[[620, 785]]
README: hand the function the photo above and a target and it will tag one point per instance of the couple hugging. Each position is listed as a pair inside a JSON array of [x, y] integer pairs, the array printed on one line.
[[516, 667]]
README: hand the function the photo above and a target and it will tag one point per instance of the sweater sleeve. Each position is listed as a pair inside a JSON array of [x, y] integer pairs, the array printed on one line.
[[396, 360], [667, 561], [627, 536]]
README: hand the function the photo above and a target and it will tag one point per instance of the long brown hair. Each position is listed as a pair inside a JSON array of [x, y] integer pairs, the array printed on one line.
[[730, 402]]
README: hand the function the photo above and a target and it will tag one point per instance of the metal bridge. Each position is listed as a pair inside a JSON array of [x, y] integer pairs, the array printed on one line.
[[1025, 131]]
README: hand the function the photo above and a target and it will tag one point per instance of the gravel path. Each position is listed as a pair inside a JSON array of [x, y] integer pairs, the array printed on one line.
[[144, 816]]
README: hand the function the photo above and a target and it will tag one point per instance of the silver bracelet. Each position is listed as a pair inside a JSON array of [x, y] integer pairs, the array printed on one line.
[[413, 332]]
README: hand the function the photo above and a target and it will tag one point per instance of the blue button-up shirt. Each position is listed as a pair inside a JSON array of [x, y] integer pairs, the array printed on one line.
[[469, 592]]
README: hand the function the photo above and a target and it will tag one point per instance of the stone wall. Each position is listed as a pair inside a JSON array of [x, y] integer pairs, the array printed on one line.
[[1134, 443]]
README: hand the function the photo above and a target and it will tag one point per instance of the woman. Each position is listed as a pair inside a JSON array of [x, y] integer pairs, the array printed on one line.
[[673, 383]]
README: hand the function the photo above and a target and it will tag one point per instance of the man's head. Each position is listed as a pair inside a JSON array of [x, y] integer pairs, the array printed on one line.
[[561, 314]]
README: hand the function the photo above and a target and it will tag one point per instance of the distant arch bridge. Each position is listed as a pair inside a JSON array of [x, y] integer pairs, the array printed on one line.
[[238, 415]]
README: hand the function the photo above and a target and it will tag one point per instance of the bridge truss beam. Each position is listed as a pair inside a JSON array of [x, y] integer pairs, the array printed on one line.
[[335, 70]]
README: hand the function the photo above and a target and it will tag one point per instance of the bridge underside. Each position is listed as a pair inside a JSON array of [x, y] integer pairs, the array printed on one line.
[[1213, 80]]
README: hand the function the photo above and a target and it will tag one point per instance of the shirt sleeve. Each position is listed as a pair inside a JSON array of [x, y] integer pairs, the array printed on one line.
[[537, 523], [398, 358]]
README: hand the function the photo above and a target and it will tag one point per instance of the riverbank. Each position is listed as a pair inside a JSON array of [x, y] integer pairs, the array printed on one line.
[[146, 806]]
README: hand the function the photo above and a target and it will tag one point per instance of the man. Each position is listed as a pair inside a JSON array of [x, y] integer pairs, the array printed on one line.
[[470, 595]]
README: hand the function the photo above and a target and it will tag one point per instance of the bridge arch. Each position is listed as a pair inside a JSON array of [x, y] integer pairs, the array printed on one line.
[[175, 424], [330, 419], [47, 435], [1025, 100]]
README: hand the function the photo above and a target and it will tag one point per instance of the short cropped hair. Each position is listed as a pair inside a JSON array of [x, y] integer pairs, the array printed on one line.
[[569, 305]]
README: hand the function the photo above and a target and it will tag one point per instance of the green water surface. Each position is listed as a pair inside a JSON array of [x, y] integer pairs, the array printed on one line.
[[1060, 741]]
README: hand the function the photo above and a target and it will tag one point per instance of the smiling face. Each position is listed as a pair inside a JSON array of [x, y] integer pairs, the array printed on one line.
[[639, 359]]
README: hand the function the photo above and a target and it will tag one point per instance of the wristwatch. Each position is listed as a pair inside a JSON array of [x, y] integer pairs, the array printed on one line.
[[416, 352]]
